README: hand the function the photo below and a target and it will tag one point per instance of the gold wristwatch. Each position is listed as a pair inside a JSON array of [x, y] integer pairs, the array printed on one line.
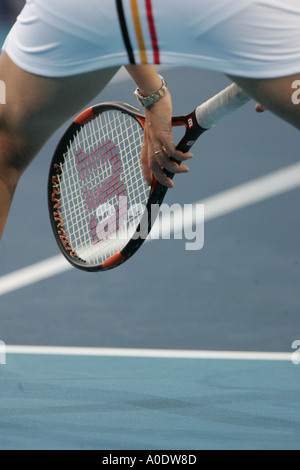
[[147, 101]]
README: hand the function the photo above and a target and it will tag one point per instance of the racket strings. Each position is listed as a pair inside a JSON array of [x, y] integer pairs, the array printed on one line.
[[101, 181], [110, 183]]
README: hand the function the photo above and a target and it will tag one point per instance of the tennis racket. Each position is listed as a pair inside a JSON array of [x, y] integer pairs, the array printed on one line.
[[100, 208]]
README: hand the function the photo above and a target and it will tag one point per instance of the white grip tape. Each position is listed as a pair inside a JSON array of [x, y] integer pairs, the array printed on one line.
[[212, 111]]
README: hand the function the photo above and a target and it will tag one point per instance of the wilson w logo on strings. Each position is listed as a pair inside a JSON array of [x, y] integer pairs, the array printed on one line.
[[102, 194]]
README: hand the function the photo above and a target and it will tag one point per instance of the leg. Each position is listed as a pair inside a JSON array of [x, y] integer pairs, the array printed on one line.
[[35, 108], [275, 95]]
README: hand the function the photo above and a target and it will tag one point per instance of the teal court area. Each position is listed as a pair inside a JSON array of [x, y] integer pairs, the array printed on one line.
[[144, 403]]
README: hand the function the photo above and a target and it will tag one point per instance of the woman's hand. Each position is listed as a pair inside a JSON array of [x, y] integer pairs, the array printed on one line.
[[158, 149]]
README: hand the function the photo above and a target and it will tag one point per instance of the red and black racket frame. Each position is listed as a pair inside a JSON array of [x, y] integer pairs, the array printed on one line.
[[157, 193]]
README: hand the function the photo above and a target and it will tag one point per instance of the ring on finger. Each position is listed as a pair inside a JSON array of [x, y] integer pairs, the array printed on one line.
[[162, 150]]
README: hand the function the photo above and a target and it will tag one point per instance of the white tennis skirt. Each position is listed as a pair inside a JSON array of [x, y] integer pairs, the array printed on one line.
[[248, 38]]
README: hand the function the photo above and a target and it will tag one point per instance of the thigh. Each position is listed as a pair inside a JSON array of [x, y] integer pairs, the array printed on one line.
[[37, 106], [277, 95]]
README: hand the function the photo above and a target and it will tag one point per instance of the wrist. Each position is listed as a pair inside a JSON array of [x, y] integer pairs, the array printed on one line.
[[148, 100]]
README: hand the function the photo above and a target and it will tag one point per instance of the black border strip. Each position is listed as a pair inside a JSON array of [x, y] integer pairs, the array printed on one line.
[[124, 29]]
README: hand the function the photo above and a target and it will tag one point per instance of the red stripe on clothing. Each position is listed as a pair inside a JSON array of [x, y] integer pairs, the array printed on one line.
[[152, 29]]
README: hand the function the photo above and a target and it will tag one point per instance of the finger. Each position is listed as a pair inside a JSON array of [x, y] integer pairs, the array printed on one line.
[[180, 156], [160, 175], [169, 164], [177, 155], [259, 108], [147, 172]]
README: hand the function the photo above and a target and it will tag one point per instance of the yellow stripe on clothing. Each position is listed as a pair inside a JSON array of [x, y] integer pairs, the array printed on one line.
[[139, 31]]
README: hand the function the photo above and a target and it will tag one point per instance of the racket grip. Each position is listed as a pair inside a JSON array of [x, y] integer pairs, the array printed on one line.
[[226, 102]]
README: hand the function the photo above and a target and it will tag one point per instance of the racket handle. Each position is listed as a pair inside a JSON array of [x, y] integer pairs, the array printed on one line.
[[226, 102]]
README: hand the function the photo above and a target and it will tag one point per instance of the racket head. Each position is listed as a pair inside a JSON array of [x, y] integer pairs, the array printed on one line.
[[96, 191], [101, 209]]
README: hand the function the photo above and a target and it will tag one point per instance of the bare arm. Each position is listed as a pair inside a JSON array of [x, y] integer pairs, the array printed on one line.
[[158, 129]]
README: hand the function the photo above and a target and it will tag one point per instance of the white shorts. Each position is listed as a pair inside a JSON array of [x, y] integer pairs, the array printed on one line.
[[248, 38]]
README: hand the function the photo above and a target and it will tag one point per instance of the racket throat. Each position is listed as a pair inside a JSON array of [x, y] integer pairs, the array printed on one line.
[[193, 132]]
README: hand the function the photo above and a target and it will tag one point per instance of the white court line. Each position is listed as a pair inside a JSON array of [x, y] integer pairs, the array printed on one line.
[[241, 196], [151, 353], [223, 203]]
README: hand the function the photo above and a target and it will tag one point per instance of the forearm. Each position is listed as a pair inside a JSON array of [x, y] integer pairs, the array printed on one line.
[[145, 77]]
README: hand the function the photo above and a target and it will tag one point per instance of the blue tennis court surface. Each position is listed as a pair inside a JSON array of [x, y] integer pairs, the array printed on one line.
[[240, 293], [113, 403]]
